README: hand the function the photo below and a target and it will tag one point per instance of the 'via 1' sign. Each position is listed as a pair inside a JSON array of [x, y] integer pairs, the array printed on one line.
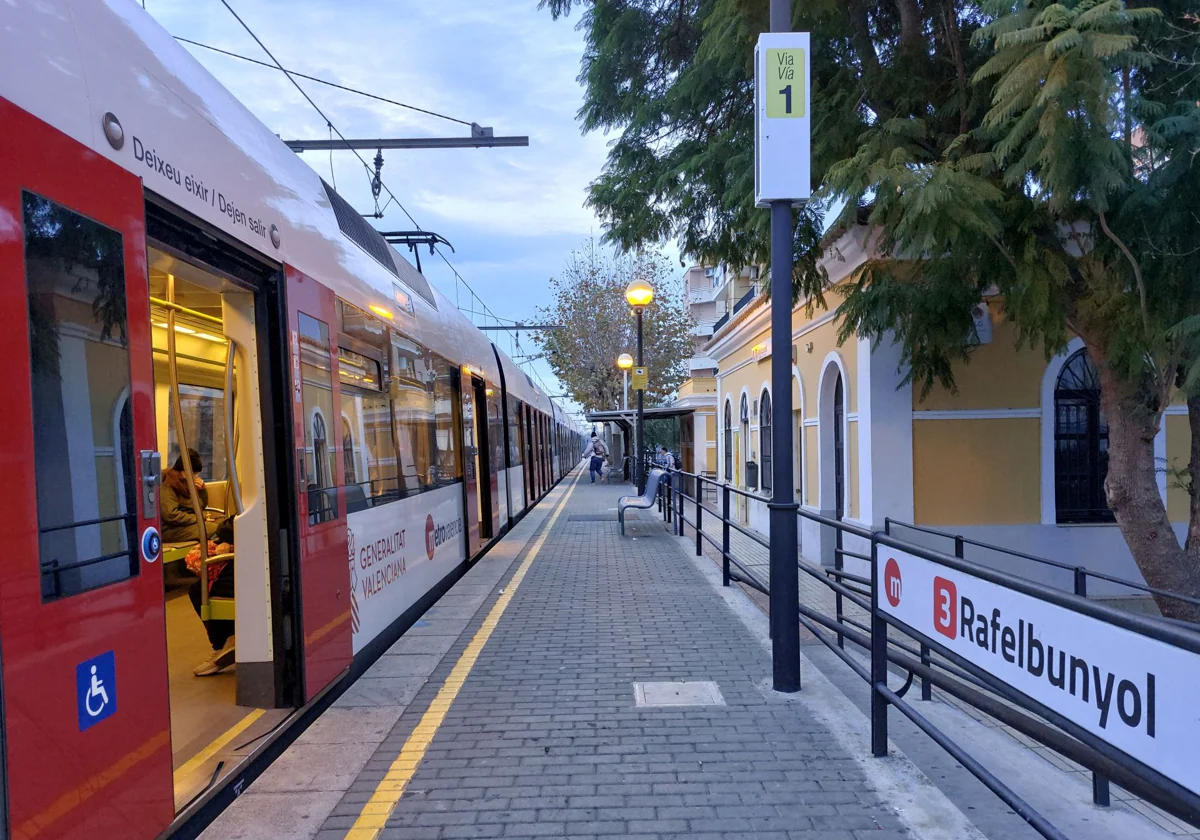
[[781, 118]]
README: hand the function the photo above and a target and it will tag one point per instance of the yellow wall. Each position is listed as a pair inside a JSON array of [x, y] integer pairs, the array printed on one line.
[[998, 376], [1179, 442], [751, 375], [852, 475], [957, 464], [812, 468], [698, 385], [824, 339]]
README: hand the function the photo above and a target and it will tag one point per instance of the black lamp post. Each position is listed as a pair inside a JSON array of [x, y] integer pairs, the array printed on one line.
[[639, 294]]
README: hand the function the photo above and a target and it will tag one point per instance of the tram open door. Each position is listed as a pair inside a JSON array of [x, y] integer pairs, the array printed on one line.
[[84, 664], [477, 478], [221, 572]]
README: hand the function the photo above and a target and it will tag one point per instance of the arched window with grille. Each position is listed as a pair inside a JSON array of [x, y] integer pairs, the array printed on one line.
[[728, 441], [1080, 444], [765, 444]]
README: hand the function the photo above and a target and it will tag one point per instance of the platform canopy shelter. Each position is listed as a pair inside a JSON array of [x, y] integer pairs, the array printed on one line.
[[669, 426]]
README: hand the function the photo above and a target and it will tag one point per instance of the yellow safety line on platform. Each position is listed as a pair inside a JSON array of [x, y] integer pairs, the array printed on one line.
[[193, 764], [379, 807]]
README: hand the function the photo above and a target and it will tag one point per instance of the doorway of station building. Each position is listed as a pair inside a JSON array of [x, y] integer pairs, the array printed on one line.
[[217, 506]]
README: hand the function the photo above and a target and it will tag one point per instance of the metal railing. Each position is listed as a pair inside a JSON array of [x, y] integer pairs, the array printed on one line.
[[893, 647], [750, 295], [1078, 574]]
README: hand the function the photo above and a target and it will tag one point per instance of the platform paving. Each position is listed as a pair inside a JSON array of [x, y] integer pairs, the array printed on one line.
[[546, 737]]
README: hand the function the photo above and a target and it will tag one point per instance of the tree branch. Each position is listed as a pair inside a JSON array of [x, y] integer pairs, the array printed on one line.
[[1137, 271], [1192, 545]]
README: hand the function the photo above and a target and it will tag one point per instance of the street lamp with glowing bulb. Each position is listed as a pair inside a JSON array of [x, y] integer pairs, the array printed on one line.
[[639, 294], [625, 362]]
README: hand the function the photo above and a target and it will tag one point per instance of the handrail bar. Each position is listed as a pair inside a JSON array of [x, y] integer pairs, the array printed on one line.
[[989, 780], [1058, 564], [1155, 628], [936, 665], [741, 529]]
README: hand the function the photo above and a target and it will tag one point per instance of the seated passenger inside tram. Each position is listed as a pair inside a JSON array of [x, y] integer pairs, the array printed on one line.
[[180, 524], [220, 585]]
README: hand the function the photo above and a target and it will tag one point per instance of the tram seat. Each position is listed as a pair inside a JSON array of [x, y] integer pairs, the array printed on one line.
[[219, 609], [642, 502], [177, 551], [217, 491], [356, 499]]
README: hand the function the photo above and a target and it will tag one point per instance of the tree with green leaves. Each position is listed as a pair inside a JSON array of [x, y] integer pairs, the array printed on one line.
[[589, 301], [1045, 153]]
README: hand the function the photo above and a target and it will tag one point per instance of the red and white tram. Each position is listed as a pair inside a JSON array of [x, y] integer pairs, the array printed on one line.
[[173, 279]]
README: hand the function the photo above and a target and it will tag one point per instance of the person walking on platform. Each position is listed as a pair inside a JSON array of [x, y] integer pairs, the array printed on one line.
[[665, 459], [598, 452]]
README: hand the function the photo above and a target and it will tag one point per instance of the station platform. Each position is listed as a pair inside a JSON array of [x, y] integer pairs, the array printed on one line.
[[576, 683], [573, 684]]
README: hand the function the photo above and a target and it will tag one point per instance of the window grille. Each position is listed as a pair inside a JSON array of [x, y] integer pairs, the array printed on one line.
[[765, 444], [1080, 444], [728, 441]]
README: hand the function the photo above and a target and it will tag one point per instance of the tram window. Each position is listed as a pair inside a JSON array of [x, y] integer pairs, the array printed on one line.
[[316, 374], [368, 449], [516, 437], [424, 389], [412, 410], [79, 377], [495, 430], [204, 427], [445, 407], [361, 326]]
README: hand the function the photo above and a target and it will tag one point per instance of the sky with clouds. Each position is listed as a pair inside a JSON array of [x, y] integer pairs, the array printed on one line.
[[512, 214]]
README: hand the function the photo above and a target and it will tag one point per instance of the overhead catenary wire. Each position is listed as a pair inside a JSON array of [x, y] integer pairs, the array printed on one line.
[[318, 80], [487, 312]]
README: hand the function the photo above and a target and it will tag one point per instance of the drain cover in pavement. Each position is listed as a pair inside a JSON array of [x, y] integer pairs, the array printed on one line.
[[703, 693]]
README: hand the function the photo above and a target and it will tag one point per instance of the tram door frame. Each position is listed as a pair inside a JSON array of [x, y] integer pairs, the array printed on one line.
[[486, 475], [321, 547], [182, 236], [48, 645], [530, 462], [470, 452]]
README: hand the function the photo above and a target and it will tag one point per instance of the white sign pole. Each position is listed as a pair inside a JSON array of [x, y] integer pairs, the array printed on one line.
[[781, 180]]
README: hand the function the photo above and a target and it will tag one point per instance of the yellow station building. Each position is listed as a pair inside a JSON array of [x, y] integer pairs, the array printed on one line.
[[1015, 458]]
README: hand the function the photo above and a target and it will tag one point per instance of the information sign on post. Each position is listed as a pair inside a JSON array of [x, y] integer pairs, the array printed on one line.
[[641, 377], [781, 118]]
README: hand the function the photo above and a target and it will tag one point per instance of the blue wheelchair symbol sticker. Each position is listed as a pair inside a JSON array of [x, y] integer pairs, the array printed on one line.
[[96, 689], [151, 545]]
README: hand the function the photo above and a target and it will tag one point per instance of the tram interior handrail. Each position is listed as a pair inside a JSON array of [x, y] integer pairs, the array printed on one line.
[[919, 660], [181, 434]]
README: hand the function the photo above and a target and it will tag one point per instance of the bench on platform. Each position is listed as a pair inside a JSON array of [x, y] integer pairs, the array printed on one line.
[[642, 502], [618, 471]]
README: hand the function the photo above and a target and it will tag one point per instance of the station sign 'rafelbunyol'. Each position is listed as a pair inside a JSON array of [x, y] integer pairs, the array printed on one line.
[[1135, 692]]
